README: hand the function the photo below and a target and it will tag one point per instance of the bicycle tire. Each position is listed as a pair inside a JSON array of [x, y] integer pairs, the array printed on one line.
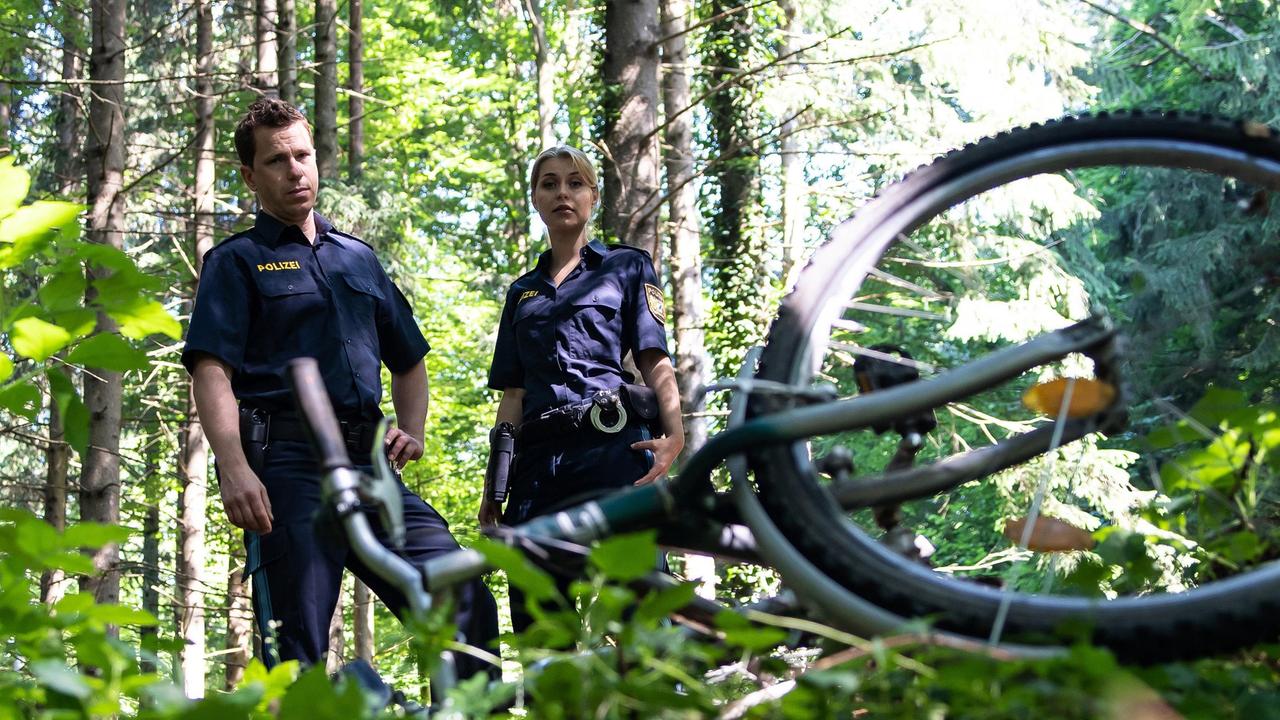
[[1219, 616]]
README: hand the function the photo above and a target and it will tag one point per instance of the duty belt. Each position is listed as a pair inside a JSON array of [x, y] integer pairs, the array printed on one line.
[[356, 434], [604, 412]]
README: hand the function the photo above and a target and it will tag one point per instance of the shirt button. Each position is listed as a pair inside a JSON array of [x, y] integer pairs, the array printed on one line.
[[290, 287], [595, 298], [348, 341]]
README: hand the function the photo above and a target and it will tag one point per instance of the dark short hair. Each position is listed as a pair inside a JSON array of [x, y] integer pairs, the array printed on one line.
[[265, 112]]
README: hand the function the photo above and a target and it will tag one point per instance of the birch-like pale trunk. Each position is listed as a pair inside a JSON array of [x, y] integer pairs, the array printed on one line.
[[193, 460], [687, 306], [793, 184], [239, 620]]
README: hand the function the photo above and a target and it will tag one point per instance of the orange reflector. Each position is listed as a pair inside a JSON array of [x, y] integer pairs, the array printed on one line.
[[1049, 535], [1087, 397]]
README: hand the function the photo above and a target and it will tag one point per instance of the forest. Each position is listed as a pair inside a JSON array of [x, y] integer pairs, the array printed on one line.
[[732, 137]]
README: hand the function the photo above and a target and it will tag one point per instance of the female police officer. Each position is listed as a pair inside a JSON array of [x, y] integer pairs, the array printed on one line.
[[565, 330]]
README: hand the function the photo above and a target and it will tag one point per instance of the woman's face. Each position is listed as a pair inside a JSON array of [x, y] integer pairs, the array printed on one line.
[[562, 196]]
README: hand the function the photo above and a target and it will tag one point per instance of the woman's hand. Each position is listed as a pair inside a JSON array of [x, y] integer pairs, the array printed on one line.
[[665, 451], [490, 513]]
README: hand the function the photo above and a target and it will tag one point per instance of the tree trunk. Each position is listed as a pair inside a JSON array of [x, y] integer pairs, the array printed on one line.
[[67, 164], [57, 463], [287, 50], [326, 115], [686, 256], [192, 503], [193, 463], [239, 619], [68, 179], [793, 185], [630, 74], [105, 154], [363, 621], [150, 640], [355, 81], [6, 102], [337, 641], [265, 78], [545, 72]]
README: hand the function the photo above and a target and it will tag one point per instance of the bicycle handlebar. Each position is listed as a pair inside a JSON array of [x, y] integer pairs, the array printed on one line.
[[317, 413]]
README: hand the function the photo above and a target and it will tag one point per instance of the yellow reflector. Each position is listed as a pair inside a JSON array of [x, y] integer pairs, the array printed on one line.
[[1087, 397], [1049, 535]]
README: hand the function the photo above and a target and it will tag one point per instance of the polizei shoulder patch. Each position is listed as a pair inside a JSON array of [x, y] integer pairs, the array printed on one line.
[[657, 305]]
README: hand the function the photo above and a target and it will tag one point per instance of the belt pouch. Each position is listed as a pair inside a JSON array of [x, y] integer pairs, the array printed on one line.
[[641, 401], [254, 428]]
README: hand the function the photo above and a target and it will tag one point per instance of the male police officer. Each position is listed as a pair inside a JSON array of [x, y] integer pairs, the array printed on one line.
[[294, 286]]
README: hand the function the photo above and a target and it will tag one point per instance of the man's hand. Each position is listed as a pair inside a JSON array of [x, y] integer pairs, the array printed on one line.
[[245, 499], [665, 451], [490, 513], [402, 448]]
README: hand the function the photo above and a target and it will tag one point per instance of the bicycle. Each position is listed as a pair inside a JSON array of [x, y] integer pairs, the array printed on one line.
[[1111, 380]]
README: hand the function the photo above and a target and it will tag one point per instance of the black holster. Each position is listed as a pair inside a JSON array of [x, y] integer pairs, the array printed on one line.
[[502, 445], [255, 428]]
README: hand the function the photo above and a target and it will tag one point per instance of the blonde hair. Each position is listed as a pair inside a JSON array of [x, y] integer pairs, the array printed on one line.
[[580, 161]]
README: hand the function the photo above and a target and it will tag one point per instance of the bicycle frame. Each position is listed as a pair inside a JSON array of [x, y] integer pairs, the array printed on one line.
[[686, 510]]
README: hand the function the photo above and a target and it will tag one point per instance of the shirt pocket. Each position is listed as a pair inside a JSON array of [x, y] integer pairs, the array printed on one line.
[[285, 293], [362, 299], [595, 326], [535, 330]]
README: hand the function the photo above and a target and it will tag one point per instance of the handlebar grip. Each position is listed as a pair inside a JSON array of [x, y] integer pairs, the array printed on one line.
[[317, 413]]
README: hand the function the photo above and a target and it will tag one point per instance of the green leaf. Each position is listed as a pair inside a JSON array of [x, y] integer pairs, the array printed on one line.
[[21, 398], [64, 290], [74, 603], [31, 228], [145, 317], [6, 367], [75, 416], [15, 183], [626, 557], [78, 321], [58, 677], [113, 614], [37, 339], [95, 535], [743, 633], [658, 605], [110, 352], [536, 584], [313, 697]]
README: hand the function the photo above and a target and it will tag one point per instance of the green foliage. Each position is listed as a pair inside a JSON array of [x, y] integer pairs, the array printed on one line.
[[41, 240]]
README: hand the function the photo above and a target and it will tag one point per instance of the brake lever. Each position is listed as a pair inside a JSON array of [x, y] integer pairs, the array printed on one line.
[[381, 489]]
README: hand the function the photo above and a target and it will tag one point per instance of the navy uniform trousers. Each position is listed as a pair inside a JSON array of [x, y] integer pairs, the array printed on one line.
[[561, 472], [297, 567]]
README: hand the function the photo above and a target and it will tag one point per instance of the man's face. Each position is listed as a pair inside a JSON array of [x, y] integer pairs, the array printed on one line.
[[284, 173]]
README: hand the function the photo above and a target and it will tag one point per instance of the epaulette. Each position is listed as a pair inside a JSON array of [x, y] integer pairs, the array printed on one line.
[[623, 246], [349, 236], [226, 241]]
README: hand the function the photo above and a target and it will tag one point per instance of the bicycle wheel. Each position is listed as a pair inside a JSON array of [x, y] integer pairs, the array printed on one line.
[[1163, 223]]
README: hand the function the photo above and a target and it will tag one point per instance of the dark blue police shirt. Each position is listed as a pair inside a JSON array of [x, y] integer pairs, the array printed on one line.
[[562, 344], [267, 296]]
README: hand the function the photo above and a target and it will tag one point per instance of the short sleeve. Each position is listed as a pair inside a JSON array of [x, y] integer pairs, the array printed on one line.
[[220, 319], [506, 371], [646, 326], [400, 341]]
